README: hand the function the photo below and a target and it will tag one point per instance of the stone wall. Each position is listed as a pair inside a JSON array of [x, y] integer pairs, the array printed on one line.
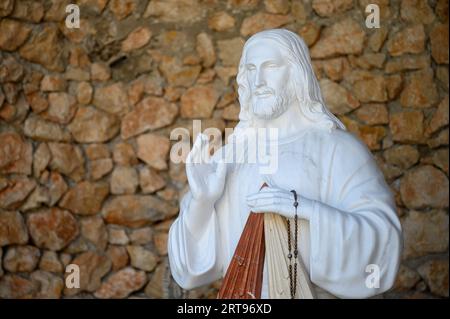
[[85, 117]]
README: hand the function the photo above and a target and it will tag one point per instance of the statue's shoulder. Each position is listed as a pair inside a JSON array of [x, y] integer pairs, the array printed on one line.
[[345, 145]]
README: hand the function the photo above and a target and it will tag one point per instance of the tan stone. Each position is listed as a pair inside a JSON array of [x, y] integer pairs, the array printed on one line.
[[50, 262], [155, 287], [84, 92], [142, 258], [178, 11], [118, 255], [136, 39], [440, 159], [378, 38], [15, 154], [205, 49], [52, 228], [416, 11], [136, 210], [121, 283], [117, 235], [6, 7], [100, 168], [150, 181], [39, 196], [440, 139], [122, 8], [424, 233], [17, 190], [230, 51], [407, 62], [45, 48], [160, 240], [93, 266], [199, 102], [61, 109], [402, 156], [439, 43], [262, 21], [435, 273], [371, 89], [50, 285], [178, 74], [85, 198], [21, 258], [67, 159], [12, 228], [17, 287], [407, 126], [406, 279], [150, 114], [52, 83], [57, 187], [153, 150], [37, 101], [93, 229], [373, 114], [41, 130], [100, 72], [310, 33], [221, 21], [411, 39], [424, 186], [344, 37], [231, 112], [327, 8], [394, 85], [141, 236], [123, 154], [112, 99], [13, 35], [420, 90], [439, 118], [91, 125], [124, 180], [338, 99]]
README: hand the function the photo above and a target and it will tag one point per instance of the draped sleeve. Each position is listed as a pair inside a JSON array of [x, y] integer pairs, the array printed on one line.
[[355, 233], [194, 255]]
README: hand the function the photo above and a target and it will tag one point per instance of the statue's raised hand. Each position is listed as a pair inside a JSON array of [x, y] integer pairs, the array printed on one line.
[[206, 179]]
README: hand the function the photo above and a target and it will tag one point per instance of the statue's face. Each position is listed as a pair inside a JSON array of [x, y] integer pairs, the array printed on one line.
[[268, 78]]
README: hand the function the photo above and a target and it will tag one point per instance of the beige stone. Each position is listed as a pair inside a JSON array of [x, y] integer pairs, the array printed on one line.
[[153, 150], [21, 258], [435, 273], [13, 35], [142, 258], [150, 114], [124, 180], [136, 39], [12, 228], [150, 181], [439, 43], [136, 210], [230, 51], [205, 49], [327, 8], [411, 39], [420, 90], [15, 154], [424, 186], [338, 99], [262, 21], [373, 114], [121, 283], [91, 125], [199, 102], [424, 233], [52, 228], [407, 126], [402, 156], [344, 37], [118, 255], [221, 21], [112, 99], [85, 198]]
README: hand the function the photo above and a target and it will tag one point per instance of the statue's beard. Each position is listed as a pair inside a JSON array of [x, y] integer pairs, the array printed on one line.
[[273, 105]]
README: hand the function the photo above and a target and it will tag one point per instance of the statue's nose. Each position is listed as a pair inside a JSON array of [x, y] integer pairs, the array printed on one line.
[[260, 80]]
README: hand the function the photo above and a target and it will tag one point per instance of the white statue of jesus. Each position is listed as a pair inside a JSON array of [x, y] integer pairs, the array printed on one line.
[[349, 234]]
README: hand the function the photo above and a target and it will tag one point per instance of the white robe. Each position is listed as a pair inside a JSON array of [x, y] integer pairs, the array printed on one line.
[[353, 220]]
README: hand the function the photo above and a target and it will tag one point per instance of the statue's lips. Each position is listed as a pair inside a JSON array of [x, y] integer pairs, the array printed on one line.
[[263, 94]]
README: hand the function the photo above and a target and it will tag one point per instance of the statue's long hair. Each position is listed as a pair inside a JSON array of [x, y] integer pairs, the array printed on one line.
[[306, 86]]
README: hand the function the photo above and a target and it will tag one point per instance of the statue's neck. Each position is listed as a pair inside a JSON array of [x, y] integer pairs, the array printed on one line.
[[290, 123]]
